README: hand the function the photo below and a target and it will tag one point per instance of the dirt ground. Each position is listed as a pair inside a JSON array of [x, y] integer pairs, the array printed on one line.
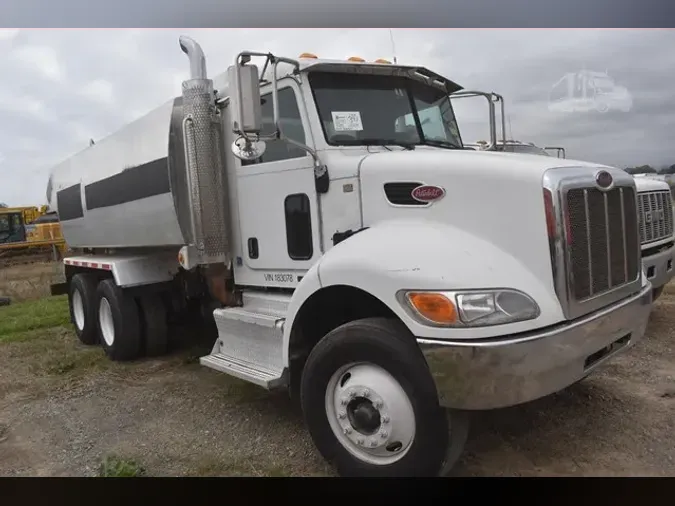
[[64, 408]]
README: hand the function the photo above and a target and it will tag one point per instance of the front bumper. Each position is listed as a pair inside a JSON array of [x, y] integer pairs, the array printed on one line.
[[500, 372], [659, 267]]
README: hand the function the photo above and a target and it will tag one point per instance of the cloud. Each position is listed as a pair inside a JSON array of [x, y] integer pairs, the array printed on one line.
[[62, 87], [8, 33], [42, 59], [99, 90]]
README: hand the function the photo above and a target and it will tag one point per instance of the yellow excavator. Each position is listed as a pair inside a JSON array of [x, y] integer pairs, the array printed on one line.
[[29, 234]]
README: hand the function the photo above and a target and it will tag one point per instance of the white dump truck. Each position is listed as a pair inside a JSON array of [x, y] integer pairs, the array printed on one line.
[[350, 251], [655, 210]]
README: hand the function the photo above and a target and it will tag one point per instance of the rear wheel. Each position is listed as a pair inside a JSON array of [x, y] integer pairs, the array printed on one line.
[[118, 322], [371, 406], [656, 293], [82, 302], [154, 324]]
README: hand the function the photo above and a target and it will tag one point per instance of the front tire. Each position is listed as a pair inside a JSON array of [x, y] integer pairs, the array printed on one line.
[[371, 405], [118, 322], [82, 305]]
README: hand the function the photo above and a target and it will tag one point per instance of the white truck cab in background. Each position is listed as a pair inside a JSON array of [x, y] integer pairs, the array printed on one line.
[[657, 234], [348, 249]]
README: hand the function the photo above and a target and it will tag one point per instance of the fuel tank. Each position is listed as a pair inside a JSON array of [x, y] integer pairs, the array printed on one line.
[[129, 189]]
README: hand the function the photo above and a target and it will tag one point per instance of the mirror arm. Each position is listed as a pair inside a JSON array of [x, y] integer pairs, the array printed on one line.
[[318, 166]]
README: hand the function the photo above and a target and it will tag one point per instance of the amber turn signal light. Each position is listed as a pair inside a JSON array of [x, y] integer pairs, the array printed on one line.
[[434, 307]]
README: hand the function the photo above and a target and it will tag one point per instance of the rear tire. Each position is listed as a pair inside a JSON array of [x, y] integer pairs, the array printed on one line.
[[154, 324], [656, 293], [118, 322], [83, 308], [371, 406]]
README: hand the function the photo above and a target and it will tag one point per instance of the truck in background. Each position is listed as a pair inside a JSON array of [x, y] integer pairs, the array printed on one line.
[[657, 233], [349, 250], [654, 202]]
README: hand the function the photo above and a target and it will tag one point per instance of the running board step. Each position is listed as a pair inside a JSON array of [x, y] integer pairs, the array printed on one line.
[[250, 341], [244, 370]]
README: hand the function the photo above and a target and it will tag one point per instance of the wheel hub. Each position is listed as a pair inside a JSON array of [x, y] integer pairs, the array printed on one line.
[[363, 416], [106, 323], [78, 309], [370, 413]]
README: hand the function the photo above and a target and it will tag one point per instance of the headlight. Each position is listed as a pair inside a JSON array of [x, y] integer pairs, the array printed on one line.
[[474, 308]]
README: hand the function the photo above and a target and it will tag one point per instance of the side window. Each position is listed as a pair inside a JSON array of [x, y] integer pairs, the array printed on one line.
[[16, 222], [298, 226], [291, 124]]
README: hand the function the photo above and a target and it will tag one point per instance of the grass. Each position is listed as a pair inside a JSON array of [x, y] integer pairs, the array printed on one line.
[[29, 281], [113, 466], [19, 321], [39, 335]]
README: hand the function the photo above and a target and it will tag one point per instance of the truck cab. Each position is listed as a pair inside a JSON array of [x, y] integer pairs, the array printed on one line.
[[349, 250]]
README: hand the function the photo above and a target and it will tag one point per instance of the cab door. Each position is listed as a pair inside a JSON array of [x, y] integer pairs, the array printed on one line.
[[277, 199]]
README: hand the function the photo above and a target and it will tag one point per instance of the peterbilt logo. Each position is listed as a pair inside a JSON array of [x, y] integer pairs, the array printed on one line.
[[427, 193], [603, 180], [651, 216]]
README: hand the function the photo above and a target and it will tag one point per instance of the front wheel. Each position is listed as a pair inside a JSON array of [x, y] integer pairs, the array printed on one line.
[[371, 406]]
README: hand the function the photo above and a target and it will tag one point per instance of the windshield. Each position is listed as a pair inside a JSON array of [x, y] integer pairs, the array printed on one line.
[[359, 109]]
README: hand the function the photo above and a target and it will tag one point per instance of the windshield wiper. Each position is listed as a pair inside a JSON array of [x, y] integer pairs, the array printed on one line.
[[441, 144], [380, 142]]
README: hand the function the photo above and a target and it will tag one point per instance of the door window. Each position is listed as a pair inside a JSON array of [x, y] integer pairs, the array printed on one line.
[[291, 124]]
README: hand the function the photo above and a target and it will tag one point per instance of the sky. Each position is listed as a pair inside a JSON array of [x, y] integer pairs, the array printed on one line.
[[62, 87]]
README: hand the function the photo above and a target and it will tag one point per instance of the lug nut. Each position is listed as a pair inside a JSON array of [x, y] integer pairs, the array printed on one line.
[[385, 419], [378, 404], [341, 415], [360, 441], [366, 393], [383, 434], [348, 430], [352, 394], [344, 401], [373, 443]]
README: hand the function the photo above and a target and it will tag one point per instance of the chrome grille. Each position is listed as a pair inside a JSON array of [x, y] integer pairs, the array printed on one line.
[[655, 210], [602, 235]]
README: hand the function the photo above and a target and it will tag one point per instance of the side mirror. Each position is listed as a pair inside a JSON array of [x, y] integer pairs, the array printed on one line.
[[248, 150], [245, 99]]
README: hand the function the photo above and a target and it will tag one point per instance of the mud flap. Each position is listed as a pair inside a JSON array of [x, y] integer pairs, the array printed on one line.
[[58, 288]]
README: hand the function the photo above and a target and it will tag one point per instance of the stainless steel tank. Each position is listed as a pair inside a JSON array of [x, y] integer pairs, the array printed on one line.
[[141, 187], [118, 192]]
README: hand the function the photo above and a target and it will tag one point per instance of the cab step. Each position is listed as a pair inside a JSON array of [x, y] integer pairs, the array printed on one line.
[[243, 370], [250, 340]]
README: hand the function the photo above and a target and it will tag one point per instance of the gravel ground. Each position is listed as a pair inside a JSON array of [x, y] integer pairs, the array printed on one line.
[[64, 408]]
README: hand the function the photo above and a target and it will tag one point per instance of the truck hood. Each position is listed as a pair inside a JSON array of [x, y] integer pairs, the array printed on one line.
[[495, 197], [649, 184]]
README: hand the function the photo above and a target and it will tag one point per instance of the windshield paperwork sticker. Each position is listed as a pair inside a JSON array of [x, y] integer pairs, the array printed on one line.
[[347, 121]]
